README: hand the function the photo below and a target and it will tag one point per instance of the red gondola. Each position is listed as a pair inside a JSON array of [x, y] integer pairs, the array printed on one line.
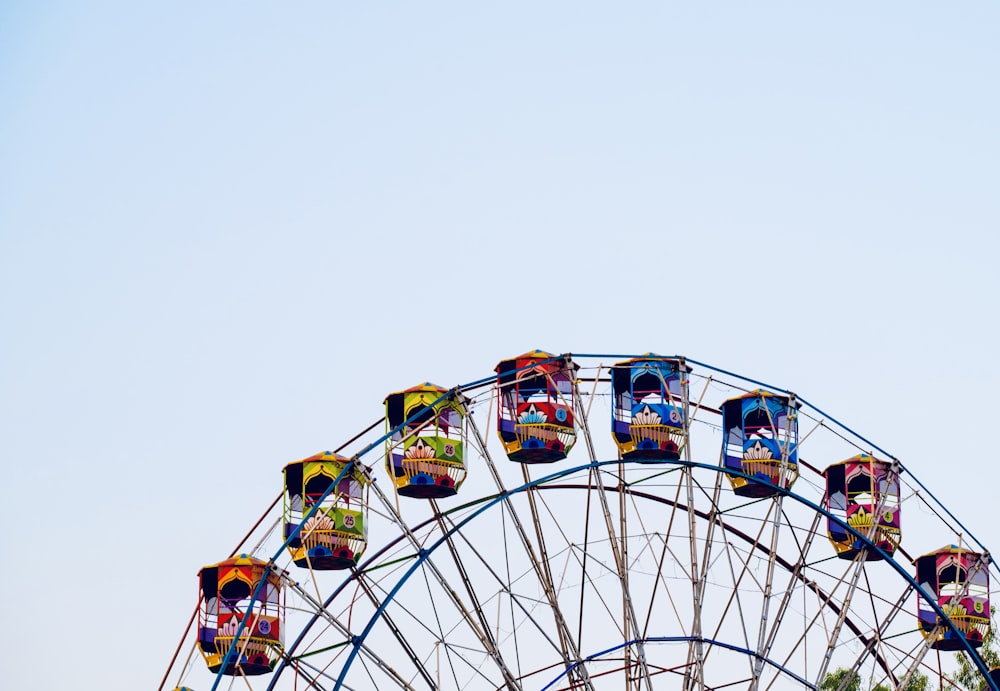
[[535, 412]]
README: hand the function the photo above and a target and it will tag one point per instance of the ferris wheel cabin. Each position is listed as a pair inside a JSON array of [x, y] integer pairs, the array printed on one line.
[[760, 439], [535, 409], [864, 493], [425, 452], [649, 419], [959, 580], [335, 534], [226, 592]]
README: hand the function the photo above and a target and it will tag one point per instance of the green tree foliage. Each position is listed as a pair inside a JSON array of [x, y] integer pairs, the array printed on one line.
[[918, 682], [833, 680]]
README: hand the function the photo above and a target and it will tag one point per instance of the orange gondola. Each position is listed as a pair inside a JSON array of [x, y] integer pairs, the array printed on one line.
[[226, 616]]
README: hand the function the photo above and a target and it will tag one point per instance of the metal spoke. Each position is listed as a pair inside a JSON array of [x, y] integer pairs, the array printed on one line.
[[346, 632], [539, 562], [630, 618], [448, 590]]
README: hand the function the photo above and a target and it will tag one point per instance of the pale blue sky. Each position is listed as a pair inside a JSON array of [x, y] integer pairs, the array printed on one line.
[[228, 230]]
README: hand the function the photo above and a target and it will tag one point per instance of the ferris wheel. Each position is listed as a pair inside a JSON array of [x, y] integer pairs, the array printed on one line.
[[595, 522]]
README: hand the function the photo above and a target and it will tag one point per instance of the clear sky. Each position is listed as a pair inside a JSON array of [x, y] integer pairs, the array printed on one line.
[[228, 230]]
